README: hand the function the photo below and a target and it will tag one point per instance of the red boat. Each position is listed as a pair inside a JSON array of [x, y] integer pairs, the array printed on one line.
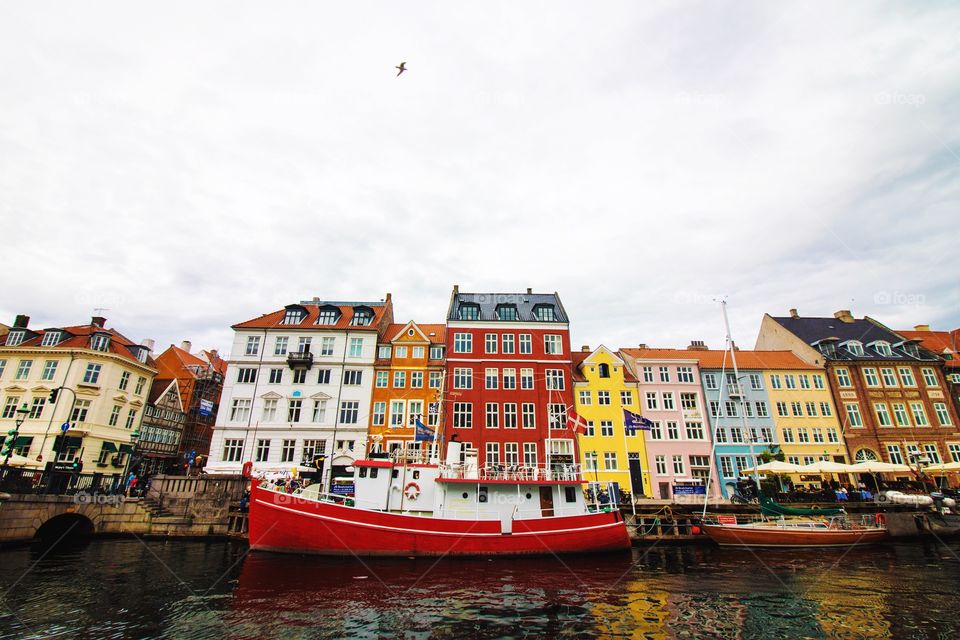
[[835, 532], [401, 509]]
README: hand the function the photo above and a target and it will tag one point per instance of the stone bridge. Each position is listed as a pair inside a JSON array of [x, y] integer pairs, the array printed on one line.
[[174, 506]]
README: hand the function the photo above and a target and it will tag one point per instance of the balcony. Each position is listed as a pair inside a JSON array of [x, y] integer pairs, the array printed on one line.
[[300, 359], [734, 390]]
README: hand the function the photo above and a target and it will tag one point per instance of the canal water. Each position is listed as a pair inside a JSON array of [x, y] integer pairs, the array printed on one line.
[[153, 589]]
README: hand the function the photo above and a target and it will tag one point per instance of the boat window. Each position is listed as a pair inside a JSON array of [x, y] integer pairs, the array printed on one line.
[[373, 472], [483, 494], [363, 472], [529, 495], [465, 495], [416, 475], [571, 493], [396, 473]]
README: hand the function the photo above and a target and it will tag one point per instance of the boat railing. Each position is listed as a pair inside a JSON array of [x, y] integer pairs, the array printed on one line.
[[520, 473]]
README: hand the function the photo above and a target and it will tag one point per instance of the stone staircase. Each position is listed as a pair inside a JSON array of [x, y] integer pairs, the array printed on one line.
[[155, 507]]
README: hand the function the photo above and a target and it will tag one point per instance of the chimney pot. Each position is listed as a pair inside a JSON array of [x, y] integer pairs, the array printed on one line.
[[794, 314], [21, 322], [456, 289], [186, 345], [642, 345], [697, 345], [98, 321], [148, 343], [529, 290], [844, 315], [585, 348], [921, 327]]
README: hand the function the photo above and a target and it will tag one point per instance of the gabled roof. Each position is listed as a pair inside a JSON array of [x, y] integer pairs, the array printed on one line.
[[78, 337], [945, 344], [863, 330], [159, 388], [524, 302], [382, 312], [434, 333], [752, 360], [580, 357]]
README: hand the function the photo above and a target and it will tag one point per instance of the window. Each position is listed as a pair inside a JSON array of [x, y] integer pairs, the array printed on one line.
[[678, 465], [606, 427], [736, 435], [661, 462], [710, 380], [673, 433], [462, 378], [293, 316], [349, 411], [825, 409], [603, 397], [919, 414], [688, 401], [843, 378], [509, 344], [526, 379], [883, 414], [684, 374], [664, 374], [590, 460], [529, 415], [240, 410], [818, 435], [469, 312], [811, 409], [790, 381], [787, 435], [656, 431], [253, 345], [870, 375], [714, 409], [668, 401], [92, 374], [854, 347], [462, 343], [756, 382], [491, 378], [893, 452], [648, 374], [263, 450], [383, 379], [803, 435], [853, 415], [526, 343], [280, 345], [362, 317], [554, 379], [327, 345], [762, 410], [943, 416], [3, 367], [954, 449], [328, 316], [246, 375], [490, 343], [906, 375], [353, 377], [929, 377], [397, 409], [626, 397], [932, 453], [323, 376], [889, 379], [652, 403], [832, 435], [817, 381], [23, 371], [462, 415], [99, 342], [287, 450], [384, 351], [131, 416], [232, 449], [114, 416], [584, 398], [436, 352], [804, 381], [436, 379], [401, 352], [509, 378], [552, 345], [609, 460], [694, 430], [510, 415], [544, 313], [796, 410], [730, 409], [379, 413], [416, 379], [530, 454], [775, 381], [37, 408], [726, 466], [299, 376], [269, 410], [720, 435], [492, 413], [293, 410], [312, 448], [557, 415], [356, 347]]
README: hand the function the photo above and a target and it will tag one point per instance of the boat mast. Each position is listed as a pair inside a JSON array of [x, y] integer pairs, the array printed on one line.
[[743, 414]]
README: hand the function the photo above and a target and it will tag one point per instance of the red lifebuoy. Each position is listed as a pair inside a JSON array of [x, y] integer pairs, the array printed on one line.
[[411, 491], [880, 519]]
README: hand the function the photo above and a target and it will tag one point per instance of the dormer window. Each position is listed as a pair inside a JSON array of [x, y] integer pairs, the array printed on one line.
[[604, 370], [362, 316], [294, 315], [51, 338], [854, 347], [100, 342], [328, 315], [883, 348], [912, 349], [470, 312], [828, 349], [507, 312], [142, 355], [14, 338], [544, 313]]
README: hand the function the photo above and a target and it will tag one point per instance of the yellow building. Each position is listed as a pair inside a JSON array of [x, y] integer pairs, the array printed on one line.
[[803, 412], [603, 387], [102, 382]]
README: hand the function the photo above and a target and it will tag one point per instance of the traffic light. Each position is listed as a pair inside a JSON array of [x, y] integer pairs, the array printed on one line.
[[53, 395], [77, 466]]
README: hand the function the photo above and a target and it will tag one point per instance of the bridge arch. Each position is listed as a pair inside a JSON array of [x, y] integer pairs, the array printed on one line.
[[64, 526]]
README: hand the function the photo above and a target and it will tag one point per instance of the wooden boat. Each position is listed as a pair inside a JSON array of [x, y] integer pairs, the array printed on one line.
[[833, 532], [436, 510]]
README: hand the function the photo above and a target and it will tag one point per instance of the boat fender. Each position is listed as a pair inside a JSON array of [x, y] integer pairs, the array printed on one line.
[[411, 491], [880, 519], [695, 530]]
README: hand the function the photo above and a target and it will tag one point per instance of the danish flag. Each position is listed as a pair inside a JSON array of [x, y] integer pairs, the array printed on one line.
[[577, 423]]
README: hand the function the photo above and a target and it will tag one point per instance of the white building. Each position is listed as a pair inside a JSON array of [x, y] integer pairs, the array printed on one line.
[[298, 388]]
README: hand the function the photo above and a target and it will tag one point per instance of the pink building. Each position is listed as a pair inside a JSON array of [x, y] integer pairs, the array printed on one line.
[[679, 445]]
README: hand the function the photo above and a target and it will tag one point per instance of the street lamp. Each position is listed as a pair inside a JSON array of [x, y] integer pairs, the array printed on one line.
[[12, 435], [134, 438]]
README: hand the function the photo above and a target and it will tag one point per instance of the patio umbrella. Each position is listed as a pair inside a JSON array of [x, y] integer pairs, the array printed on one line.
[[943, 467], [775, 466], [875, 466], [22, 461], [826, 466]]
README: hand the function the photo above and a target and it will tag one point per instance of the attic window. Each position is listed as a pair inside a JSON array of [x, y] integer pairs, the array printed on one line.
[[99, 342], [14, 338], [883, 348], [328, 315], [855, 347], [51, 338], [604, 370], [470, 312], [507, 312], [294, 316], [544, 313], [142, 355], [913, 350], [361, 317]]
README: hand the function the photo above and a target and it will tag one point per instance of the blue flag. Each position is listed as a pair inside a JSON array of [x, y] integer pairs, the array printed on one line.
[[423, 433], [633, 421]]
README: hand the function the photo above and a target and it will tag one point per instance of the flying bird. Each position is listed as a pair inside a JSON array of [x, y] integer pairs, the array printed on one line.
[[402, 66]]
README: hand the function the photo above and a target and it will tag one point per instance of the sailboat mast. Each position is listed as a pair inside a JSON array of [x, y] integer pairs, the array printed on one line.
[[743, 414]]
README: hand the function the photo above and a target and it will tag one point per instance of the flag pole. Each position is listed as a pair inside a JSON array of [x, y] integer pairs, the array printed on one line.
[[626, 450]]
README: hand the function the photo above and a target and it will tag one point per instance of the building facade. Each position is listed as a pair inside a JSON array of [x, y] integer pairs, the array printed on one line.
[[408, 386], [679, 448], [509, 386], [157, 450], [102, 381], [298, 389], [946, 345], [889, 389], [603, 387]]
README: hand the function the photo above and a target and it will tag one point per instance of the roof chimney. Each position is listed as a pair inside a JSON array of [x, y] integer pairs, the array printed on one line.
[[697, 345], [186, 345], [214, 354], [148, 343], [794, 314], [529, 290], [844, 316], [921, 327], [456, 289], [389, 296], [21, 322], [98, 321], [642, 345], [585, 348]]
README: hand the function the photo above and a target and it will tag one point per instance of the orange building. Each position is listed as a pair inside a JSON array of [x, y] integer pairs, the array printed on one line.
[[408, 386]]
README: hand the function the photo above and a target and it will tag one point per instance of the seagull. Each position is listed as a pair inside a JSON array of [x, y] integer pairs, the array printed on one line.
[[402, 66]]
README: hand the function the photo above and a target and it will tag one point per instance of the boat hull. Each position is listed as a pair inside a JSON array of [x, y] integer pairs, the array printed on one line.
[[751, 536], [285, 523]]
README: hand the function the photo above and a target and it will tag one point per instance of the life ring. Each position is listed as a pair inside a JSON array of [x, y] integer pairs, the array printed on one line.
[[880, 519], [411, 491]]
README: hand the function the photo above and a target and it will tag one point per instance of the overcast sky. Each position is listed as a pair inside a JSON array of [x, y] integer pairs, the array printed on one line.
[[198, 164]]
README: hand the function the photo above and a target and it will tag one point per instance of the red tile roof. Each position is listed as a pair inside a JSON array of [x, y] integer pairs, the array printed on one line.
[[939, 342], [439, 331], [382, 312], [715, 358], [78, 337]]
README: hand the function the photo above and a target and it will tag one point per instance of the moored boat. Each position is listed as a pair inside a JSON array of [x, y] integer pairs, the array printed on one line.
[[831, 532], [403, 509]]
